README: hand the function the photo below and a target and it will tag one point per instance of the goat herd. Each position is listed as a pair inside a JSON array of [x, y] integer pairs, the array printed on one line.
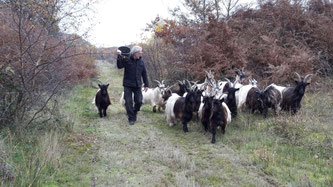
[[214, 102]]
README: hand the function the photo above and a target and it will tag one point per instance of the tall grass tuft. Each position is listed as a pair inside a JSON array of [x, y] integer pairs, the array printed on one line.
[[31, 162]]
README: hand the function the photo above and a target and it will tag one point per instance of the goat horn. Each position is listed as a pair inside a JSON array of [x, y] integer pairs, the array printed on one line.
[[236, 81], [99, 81], [158, 82], [243, 70], [307, 76], [228, 81], [299, 77], [180, 82], [188, 82], [162, 81]]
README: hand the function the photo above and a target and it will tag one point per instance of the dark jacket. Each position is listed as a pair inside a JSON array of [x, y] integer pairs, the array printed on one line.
[[134, 70]]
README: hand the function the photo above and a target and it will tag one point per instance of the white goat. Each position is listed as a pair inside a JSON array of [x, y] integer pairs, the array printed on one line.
[[153, 96]]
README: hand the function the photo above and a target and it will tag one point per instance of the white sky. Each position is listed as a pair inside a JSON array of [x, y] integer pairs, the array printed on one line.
[[121, 22]]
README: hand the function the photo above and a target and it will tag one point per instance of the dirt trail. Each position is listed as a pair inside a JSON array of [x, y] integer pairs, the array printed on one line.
[[151, 153]]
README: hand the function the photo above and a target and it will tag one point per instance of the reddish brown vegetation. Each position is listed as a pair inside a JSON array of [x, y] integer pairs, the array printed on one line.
[[37, 61], [271, 42]]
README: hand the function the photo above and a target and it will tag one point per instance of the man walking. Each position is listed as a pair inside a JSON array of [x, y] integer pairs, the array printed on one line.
[[134, 70]]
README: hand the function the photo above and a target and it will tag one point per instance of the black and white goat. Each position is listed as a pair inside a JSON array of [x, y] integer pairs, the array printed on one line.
[[292, 97], [102, 99], [182, 108], [241, 98]]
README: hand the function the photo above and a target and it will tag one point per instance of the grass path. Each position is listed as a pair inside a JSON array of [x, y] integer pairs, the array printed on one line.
[[109, 152]]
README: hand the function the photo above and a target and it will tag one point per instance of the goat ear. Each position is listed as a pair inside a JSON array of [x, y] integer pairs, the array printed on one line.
[[99, 86], [107, 85], [222, 100], [296, 82], [237, 89], [307, 83]]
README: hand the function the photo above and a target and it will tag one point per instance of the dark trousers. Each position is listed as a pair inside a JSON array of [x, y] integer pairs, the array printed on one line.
[[131, 111]]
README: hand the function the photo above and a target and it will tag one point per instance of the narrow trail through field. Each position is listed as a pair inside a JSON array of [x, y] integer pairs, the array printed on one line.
[[151, 153]]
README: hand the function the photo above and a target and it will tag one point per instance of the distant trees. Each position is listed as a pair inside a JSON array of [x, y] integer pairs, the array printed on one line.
[[37, 60]]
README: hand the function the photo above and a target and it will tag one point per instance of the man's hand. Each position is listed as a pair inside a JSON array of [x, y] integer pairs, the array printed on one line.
[[145, 89]]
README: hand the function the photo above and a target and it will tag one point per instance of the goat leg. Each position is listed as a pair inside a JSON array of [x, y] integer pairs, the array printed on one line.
[[214, 133], [104, 112], [223, 128], [154, 108], [185, 127], [100, 112]]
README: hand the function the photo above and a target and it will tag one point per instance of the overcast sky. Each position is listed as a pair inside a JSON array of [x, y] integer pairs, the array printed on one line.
[[121, 22]]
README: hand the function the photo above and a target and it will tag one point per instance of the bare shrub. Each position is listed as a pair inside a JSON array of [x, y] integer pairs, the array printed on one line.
[[37, 60]]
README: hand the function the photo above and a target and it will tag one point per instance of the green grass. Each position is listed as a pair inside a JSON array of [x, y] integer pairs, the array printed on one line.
[[280, 150], [284, 150]]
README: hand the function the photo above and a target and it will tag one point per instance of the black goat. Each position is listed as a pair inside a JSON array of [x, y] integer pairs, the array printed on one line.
[[181, 90], [185, 106], [166, 94], [102, 99], [271, 98], [231, 101], [217, 118], [206, 111], [254, 100], [291, 97]]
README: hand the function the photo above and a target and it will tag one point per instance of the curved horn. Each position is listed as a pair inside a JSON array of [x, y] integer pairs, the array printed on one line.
[[158, 82], [299, 77], [107, 81], [206, 72], [188, 82], [307, 76], [162, 81], [230, 84], [180, 82], [99, 81]]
